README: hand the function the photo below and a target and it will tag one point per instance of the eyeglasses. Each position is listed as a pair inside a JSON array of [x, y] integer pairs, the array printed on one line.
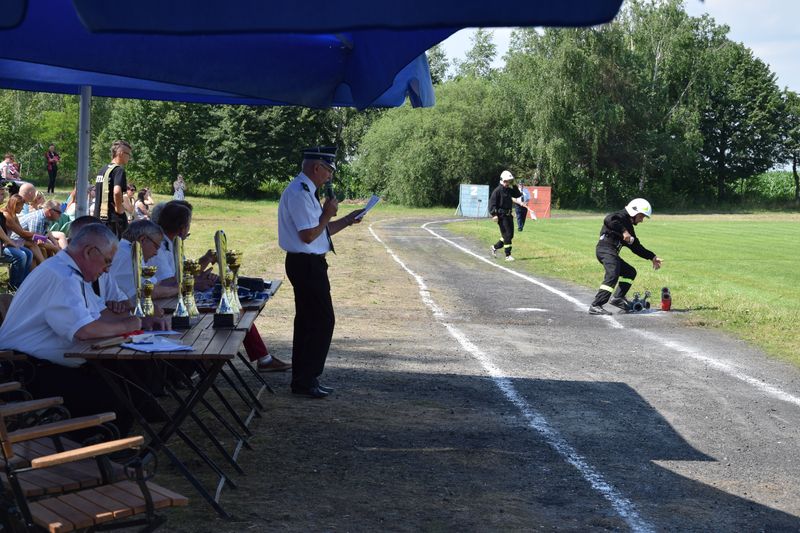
[[156, 243], [56, 210], [108, 260]]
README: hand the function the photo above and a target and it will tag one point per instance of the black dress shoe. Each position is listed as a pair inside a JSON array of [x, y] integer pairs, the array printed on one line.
[[323, 388], [311, 392]]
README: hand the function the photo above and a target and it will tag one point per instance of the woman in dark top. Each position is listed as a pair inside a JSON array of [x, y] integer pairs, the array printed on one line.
[[53, 159]]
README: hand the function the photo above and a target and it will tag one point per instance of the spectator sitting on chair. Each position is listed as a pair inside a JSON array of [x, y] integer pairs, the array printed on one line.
[[39, 220], [129, 201], [8, 170], [51, 315], [29, 193], [17, 233], [20, 257], [141, 209]]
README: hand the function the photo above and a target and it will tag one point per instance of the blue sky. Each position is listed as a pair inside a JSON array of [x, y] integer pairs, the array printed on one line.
[[768, 27]]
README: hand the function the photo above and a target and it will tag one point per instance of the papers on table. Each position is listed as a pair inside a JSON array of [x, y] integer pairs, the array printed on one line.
[[370, 204], [156, 343]]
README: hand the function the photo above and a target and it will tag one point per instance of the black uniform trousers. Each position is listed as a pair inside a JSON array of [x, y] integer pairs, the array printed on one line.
[[506, 223], [313, 319], [51, 175], [615, 268], [117, 225], [85, 392]]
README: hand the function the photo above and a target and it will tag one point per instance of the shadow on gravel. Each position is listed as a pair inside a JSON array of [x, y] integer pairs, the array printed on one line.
[[621, 435], [405, 451]]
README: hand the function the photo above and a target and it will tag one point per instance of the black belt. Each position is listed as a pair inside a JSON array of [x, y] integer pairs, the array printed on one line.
[[321, 256]]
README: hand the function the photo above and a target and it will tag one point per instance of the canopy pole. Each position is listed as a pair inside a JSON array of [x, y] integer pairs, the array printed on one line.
[[84, 146]]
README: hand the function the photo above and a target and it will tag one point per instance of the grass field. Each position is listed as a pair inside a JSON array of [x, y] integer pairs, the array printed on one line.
[[735, 272]]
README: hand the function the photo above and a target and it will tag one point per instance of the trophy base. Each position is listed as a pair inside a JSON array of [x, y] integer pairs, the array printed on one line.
[[181, 322], [223, 321]]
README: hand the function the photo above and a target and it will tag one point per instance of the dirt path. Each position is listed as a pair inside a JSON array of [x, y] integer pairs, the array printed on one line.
[[471, 398]]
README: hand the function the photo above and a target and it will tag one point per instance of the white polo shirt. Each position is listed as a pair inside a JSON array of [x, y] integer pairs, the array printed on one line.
[[300, 210], [121, 271], [109, 290], [164, 261], [48, 309]]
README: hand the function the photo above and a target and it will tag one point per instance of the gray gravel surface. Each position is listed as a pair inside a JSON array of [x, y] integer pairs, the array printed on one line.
[[472, 398], [694, 429]]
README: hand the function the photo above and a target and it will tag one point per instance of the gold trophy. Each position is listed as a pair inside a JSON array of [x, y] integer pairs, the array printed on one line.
[[180, 318], [190, 269], [148, 307], [136, 263], [234, 259], [223, 316]]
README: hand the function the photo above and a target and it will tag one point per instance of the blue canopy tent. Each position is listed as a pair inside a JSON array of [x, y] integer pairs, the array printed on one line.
[[257, 52]]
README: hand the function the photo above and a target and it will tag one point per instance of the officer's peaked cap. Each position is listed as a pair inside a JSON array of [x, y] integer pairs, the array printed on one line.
[[324, 153]]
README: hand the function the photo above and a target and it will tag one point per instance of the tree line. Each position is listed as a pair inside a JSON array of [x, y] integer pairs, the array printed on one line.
[[656, 103]]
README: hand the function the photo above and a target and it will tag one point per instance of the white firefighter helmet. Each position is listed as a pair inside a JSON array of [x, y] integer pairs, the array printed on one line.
[[639, 205], [506, 176]]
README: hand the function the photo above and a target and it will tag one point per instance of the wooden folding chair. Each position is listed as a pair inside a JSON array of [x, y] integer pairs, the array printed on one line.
[[53, 497]]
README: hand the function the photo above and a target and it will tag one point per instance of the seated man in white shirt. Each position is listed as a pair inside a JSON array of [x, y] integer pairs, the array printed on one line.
[[112, 296], [53, 313], [150, 237]]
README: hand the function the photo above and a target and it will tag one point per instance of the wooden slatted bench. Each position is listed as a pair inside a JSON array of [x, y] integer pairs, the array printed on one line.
[[93, 507], [60, 479]]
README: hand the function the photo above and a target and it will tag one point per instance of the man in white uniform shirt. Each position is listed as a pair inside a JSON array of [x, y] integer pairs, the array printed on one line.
[[54, 313], [149, 236], [304, 230], [104, 290]]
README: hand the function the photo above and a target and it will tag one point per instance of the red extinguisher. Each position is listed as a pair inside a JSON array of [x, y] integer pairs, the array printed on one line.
[[666, 299]]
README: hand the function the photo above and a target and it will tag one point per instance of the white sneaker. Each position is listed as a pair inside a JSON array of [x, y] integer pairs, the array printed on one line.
[[493, 252], [509, 258]]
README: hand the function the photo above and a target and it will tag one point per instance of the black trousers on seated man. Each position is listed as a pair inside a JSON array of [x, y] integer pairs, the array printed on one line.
[[314, 319], [85, 392]]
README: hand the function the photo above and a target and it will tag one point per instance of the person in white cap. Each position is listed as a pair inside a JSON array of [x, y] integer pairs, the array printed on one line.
[[617, 231], [503, 212]]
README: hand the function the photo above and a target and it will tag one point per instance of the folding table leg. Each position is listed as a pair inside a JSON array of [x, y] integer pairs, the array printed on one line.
[[231, 410], [250, 405], [248, 365], [158, 439], [253, 396], [213, 438]]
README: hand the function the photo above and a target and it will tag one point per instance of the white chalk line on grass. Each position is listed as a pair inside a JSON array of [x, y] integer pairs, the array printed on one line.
[[624, 507], [722, 366]]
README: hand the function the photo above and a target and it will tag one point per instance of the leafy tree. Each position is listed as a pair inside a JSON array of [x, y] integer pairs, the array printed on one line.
[[741, 122], [251, 145], [791, 136], [166, 138], [419, 156], [478, 61], [439, 64]]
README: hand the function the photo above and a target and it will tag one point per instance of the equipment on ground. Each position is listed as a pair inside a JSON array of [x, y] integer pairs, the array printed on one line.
[[639, 304], [666, 299]]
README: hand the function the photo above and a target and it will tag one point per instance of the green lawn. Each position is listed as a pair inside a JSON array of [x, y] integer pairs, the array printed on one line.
[[736, 272]]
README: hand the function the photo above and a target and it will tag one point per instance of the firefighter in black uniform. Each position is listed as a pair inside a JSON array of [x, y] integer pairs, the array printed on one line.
[[503, 213], [617, 231], [110, 184]]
